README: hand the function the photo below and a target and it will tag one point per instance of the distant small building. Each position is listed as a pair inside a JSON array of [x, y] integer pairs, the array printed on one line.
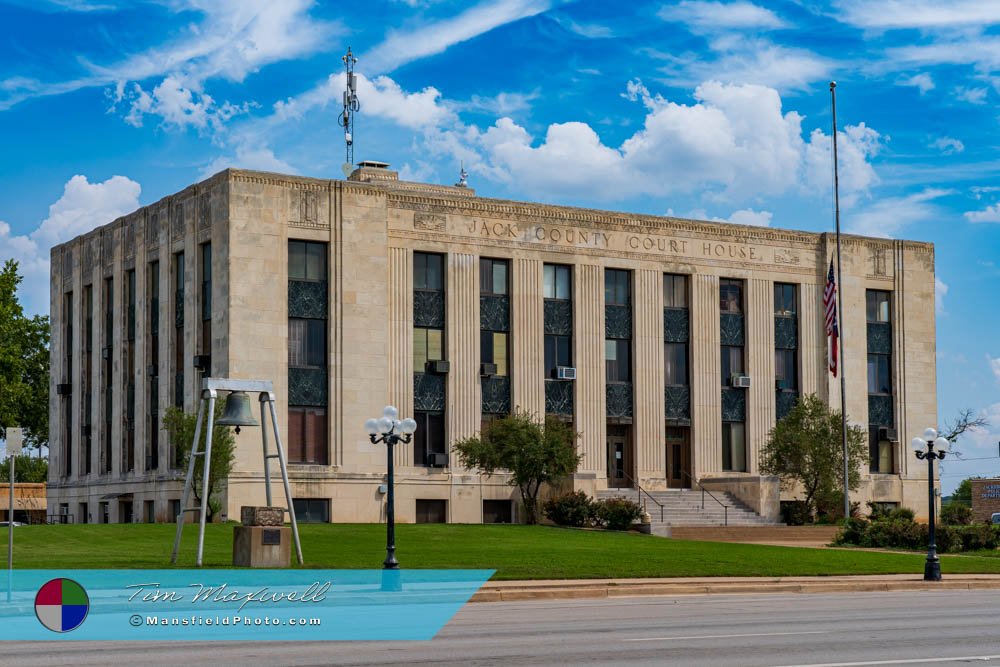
[[29, 502], [985, 498]]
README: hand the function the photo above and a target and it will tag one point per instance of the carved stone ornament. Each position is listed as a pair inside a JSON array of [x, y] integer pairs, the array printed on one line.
[[786, 256], [429, 222]]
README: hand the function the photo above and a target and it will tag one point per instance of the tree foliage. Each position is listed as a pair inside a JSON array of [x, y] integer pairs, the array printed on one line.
[[27, 468], [533, 453], [24, 363], [963, 492], [180, 427], [806, 448]]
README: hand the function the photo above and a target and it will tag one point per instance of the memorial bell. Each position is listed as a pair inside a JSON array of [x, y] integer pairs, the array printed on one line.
[[237, 412]]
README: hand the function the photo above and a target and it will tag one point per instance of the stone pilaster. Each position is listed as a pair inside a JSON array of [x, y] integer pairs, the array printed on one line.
[[760, 365], [590, 418], [706, 385], [812, 341], [462, 333], [647, 341], [401, 340], [527, 337]]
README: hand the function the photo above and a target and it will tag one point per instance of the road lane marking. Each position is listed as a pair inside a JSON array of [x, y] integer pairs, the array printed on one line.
[[909, 661], [756, 634]]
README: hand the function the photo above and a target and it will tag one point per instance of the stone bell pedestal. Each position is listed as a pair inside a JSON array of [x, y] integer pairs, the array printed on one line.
[[262, 540]]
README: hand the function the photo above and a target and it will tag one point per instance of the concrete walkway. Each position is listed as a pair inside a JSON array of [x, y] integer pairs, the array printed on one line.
[[506, 591]]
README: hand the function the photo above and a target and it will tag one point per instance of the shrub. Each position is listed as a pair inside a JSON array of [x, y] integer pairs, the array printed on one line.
[[956, 514], [571, 509], [896, 533], [853, 531], [795, 512], [618, 513]]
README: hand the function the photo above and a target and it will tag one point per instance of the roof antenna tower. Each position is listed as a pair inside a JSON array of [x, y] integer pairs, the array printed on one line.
[[351, 107]]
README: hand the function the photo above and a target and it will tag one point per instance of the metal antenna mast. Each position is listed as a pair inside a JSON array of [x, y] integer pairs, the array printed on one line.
[[351, 107]]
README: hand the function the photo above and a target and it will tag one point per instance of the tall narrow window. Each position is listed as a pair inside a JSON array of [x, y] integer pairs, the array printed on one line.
[[87, 390], [128, 444], [732, 339], [153, 367], [429, 366], [557, 289], [881, 419], [786, 343], [494, 337], [205, 321], [618, 344], [68, 378], [307, 353], [676, 333], [107, 368], [179, 329]]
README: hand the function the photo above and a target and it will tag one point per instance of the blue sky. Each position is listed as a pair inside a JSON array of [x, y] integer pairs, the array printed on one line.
[[716, 110]]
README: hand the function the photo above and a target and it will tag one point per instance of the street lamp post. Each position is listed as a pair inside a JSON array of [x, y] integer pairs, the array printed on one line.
[[390, 430], [924, 449]]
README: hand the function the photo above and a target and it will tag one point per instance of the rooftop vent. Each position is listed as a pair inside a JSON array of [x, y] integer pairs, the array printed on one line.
[[373, 170]]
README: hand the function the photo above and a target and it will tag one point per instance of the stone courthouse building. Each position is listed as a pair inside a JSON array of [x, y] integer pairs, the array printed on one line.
[[672, 345]]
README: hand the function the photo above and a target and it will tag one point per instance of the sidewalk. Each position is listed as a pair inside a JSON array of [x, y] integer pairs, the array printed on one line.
[[565, 589]]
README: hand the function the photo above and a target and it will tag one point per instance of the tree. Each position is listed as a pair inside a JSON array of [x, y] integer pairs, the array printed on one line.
[[963, 492], [24, 363], [806, 448], [180, 427], [962, 423], [27, 468], [533, 453]]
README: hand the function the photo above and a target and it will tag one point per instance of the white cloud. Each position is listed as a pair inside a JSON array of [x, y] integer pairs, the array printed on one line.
[[401, 47], [889, 215], [940, 292], [82, 206], [947, 145], [233, 39], [257, 157], [924, 14], [989, 214], [748, 216], [588, 30], [856, 145], [742, 59], [922, 81], [708, 17], [971, 95], [994, 366]]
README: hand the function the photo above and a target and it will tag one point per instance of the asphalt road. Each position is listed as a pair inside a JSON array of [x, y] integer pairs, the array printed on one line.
[[846, 629]]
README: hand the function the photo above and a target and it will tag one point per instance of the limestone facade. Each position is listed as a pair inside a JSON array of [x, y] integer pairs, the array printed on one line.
[[106, 374]]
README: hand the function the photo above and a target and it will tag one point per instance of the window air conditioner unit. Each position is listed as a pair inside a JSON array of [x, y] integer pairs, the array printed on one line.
[[487, 370], [438, 367], [741, 381], [64, 389], [437, 460], [886, 433], [565, 373], [202, 361], [106, 352]]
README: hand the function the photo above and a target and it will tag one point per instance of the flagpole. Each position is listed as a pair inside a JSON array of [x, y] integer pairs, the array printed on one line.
[[840, 307]]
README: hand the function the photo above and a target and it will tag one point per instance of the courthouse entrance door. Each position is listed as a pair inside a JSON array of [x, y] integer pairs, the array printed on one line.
[[619, 458], [678, 458]]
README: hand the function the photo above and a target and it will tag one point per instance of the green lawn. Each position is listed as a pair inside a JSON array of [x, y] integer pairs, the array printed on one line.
[[515, 552]]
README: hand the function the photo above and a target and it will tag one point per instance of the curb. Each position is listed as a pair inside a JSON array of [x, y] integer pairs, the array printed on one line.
[[515, 591]]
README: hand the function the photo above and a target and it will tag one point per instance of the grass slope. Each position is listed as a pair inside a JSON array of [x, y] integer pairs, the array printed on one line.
[[516, 552]]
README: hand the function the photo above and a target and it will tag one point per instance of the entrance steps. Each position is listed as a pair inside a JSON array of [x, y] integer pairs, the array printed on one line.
[[684, 508]]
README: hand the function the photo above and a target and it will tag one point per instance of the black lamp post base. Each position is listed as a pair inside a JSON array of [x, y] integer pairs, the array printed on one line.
[[391, 563], [932, 570]]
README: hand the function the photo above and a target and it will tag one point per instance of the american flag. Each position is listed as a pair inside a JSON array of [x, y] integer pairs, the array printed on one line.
[[830, 306]]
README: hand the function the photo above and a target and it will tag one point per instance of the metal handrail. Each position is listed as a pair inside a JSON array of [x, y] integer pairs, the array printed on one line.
[[642, 491], [725, 507]]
